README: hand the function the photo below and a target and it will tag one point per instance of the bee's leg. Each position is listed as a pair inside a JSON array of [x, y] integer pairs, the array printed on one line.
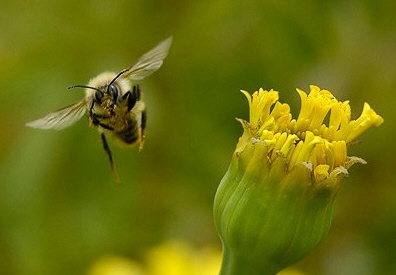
[[103, 116], [92, 117], [95, 120], [132, 97], [108, 151], [131, 101], [91, 106], [136, 91], [107, 127], [143, 129]]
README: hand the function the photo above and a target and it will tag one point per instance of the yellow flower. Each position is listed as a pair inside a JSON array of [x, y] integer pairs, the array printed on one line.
[[275, 203], [173, 257], [291, 271], [115, 265], [307, 139], [180, 258]]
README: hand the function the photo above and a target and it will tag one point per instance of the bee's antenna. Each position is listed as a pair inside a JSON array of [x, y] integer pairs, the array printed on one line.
[[117, 76], [83, 86]]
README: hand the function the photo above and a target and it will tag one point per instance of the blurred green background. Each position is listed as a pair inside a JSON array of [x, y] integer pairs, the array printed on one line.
[[59, 207]]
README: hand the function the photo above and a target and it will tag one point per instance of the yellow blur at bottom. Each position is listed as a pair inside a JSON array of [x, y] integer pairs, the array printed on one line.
[[170, 258], [116, 265], [291, 271]]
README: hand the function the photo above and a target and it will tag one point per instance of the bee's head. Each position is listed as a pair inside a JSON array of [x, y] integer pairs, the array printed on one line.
[[106, 88], [112, 89]]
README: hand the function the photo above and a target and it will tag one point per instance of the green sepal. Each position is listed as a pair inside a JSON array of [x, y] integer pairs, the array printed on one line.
[[267, 217]]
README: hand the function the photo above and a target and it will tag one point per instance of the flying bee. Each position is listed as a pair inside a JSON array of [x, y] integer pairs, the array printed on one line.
[[113, 104]]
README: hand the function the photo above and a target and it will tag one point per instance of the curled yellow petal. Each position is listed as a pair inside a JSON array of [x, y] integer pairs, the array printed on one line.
[[319, 134]]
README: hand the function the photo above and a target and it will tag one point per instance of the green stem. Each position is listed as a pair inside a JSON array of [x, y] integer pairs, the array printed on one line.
[[235, 264]]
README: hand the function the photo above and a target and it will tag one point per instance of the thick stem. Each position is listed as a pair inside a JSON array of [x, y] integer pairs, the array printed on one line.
[[236, 264]]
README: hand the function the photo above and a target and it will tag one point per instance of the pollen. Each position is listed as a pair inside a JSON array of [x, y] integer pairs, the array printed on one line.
[[320, 135]]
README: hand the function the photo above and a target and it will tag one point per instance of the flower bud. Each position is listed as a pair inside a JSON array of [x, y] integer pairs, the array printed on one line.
[[275, 203]]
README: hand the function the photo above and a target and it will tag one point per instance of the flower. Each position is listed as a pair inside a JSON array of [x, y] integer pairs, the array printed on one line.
[[172, 257], [307, 139], [115, 265], [275, 203], [178, 257]]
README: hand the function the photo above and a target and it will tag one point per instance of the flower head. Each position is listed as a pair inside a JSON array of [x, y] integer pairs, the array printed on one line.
[[307, 139], [275, 203]]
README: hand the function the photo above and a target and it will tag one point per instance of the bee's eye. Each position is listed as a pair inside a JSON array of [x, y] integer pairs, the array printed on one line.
[[113, 90], [98, 96]]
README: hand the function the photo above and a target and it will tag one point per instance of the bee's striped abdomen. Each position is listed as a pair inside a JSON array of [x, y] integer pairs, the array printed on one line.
[[129, 135]]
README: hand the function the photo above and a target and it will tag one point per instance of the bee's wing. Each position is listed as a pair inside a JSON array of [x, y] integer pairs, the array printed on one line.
[[149, 62], [62, 118]]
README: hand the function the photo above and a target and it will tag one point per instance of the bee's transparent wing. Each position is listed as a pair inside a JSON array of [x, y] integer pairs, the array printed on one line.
[[62, 118], [149, 62]]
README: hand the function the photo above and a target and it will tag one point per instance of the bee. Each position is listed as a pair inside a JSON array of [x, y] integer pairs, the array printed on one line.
[[113, 104]]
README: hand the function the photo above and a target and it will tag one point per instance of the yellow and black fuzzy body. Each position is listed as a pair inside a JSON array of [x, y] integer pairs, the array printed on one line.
[[113, 102]]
